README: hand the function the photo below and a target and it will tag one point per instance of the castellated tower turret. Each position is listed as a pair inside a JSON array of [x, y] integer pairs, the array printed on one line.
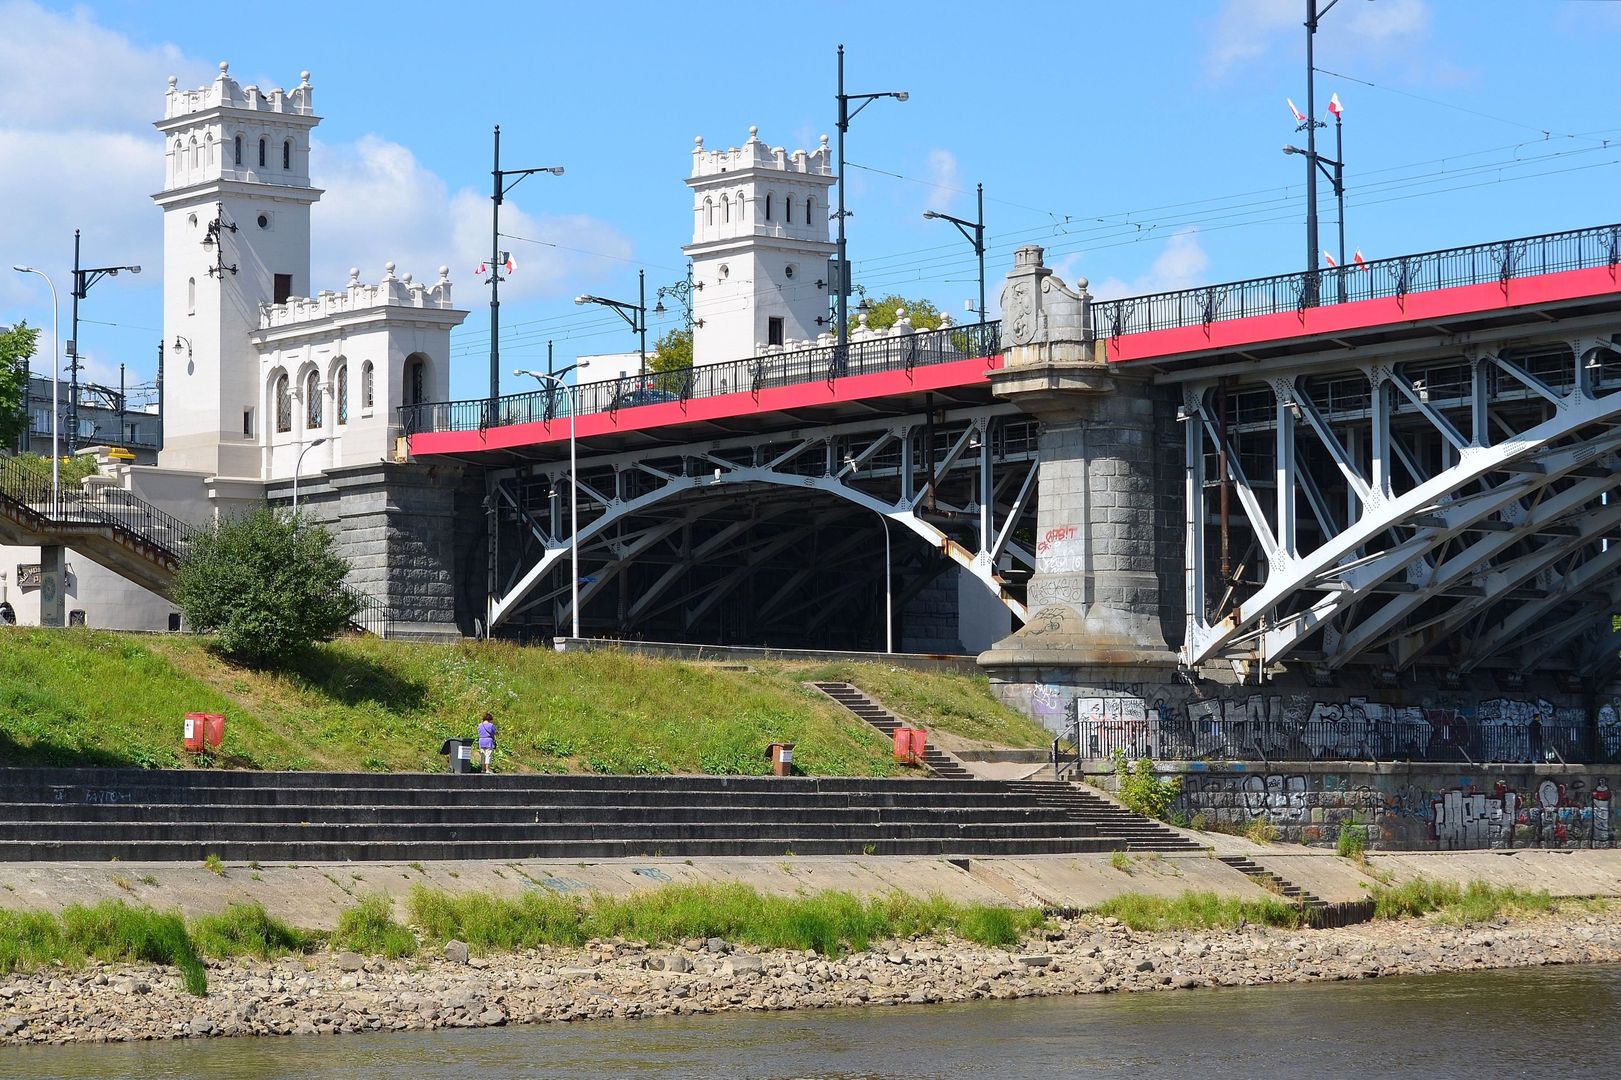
[[759, 247], [236, 204]]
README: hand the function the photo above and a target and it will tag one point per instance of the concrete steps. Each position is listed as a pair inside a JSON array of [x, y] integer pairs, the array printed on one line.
[[185, 815], [937, 761], [1139, 833], [1273, 882]]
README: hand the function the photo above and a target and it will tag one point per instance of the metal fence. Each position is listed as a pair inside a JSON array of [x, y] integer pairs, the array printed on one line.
[[26, 484], [901, 352], [1479, 264], [1403, 738]]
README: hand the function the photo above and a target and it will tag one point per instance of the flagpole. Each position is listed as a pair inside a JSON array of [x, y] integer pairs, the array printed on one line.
[[1339, 187], [1311, 151]]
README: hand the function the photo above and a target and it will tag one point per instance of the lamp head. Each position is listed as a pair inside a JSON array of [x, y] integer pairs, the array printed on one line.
[[556, 170], [584, 299], [319, 441], [660, 310], [134, 269], [22, 269], [901, 95], [1293, 150], [929, 215]]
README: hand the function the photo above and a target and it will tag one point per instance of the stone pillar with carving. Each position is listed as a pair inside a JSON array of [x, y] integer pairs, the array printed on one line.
[[1094, 599]]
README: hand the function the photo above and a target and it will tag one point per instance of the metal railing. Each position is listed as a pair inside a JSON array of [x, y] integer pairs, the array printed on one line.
[[29, 486], [374, 617], [1181, 738], [1497, 262], [823, 362]]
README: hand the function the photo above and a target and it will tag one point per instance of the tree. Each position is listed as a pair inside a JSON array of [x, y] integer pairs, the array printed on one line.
[[672, 351], [16, 346], [881, 314], [267, 585]]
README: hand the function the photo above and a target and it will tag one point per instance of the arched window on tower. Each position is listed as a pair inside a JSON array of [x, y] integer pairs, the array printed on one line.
[[366, 386], [709, 211], [287, 154], [191, 296], [343, 393], [312, 400], [416, 381], [264, 147], [239, 149], [284, 404], [725, 210], [810, 204], [768, 206]]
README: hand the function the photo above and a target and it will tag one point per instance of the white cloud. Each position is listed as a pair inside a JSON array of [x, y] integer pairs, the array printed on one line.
[[1247, 30], [940, 173], [1181, 265]]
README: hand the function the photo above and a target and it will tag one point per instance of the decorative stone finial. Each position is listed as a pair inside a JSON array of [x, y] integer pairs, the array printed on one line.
[[824, 142], [303, 78], [754, 133], [444, 273], [388, 269], [354, 275], [697, 142], [407, 278], [173, 82], [225, 67]]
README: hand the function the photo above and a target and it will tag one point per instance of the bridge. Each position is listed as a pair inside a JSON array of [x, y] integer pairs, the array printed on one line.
[[1394, 466]]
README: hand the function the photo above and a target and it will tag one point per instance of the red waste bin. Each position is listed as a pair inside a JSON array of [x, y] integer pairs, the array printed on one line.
[[204, 730], [920, 743], [909, 745]]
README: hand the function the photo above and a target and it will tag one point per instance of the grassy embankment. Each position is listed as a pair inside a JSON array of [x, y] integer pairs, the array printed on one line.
[[97, 698], [829, 923]]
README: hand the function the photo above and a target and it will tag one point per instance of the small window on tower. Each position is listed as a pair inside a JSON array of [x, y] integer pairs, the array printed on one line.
[[191, 296], [287, 154], [283, 287], [773, 331], [247, 423], [264, 146], [239, 149], [768, 206]]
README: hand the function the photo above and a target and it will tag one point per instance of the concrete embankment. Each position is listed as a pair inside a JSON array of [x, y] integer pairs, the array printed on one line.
[[620, 980]]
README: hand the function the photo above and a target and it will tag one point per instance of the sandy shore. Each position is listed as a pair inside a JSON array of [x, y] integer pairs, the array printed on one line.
[[329, 993]]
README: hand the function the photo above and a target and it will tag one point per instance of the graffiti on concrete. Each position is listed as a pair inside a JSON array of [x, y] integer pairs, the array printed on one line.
[[1557, 813]]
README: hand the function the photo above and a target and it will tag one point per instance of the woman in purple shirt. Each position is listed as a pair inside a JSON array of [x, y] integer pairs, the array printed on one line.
[[486, 739]]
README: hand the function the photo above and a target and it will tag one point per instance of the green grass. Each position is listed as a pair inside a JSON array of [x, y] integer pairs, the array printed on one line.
[[369, 928], [111, 930], [247, 930], [1352, 843], [1197, 911], [368, 704], [1476, 902], [828, 922]]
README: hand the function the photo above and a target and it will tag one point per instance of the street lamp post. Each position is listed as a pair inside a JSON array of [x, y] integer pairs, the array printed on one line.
[[56, 383], [846, 114], [975, 237], [1336, 178], [299, 464], [554, 383], [633, 314], [83, 278], [498, 191]]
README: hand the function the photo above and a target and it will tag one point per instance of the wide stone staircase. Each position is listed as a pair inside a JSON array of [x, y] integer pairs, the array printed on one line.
[[95, 815], [937, 761], [1132, 831]]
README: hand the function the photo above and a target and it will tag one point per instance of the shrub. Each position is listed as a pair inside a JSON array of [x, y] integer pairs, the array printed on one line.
[[1352, 842], [1142, 790], [369, 928], [267, 586], [247, 929]]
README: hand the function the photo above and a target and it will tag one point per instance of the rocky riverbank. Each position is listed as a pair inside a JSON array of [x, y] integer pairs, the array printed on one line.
[[328, 994]]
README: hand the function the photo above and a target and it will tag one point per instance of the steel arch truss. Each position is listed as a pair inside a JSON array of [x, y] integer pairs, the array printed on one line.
[[1454, 510], [960, 479]]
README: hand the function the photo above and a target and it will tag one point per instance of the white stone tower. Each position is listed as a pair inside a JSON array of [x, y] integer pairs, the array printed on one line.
[[759, 247], [236, 235]]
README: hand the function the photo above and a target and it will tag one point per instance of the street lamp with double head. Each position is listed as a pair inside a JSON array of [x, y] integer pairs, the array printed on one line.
[[633, 314], [83, 278], [974, 232], [842, 280]]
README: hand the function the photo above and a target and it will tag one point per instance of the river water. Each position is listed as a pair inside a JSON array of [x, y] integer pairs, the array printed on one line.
[[1491, 1025]]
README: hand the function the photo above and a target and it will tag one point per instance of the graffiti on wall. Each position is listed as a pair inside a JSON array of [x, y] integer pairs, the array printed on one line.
[[1569, 810], [1302, 727]]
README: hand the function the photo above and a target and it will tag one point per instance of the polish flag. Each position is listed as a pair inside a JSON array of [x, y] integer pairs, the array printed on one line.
[[1336, 108], [482, 268], [1359, 260], [509, 266], [1329, 258], [1300, 117]]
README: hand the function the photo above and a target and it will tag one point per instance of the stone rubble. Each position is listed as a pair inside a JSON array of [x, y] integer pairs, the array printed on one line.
[[335, 993]]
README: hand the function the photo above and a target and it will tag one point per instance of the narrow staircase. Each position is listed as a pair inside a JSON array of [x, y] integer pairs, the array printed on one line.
[[1109, 818], [938, 762], [1274, 882]]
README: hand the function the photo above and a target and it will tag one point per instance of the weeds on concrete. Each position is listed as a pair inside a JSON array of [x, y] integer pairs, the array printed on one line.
[[1352, 843], [1261, 831], [1478, 901], [111, 930], [1120, 861], [1144, 791], [213, 865], [369, 928], [1197, 911], [247, 930]]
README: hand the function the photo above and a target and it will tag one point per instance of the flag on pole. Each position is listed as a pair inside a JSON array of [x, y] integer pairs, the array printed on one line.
[[1359, 260], [1300, 117], [1329, 258], [509, 265], [482, 268], [1336, 108]]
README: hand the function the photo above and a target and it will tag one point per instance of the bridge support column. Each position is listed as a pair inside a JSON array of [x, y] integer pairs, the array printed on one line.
[[1101, 569], [52, 585]]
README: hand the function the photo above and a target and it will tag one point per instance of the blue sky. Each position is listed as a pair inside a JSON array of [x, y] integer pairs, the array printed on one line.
[[1139, 142]]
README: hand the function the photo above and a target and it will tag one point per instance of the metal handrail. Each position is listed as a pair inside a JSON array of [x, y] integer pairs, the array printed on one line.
[[818, 363], [104, 505], [1496, 262]]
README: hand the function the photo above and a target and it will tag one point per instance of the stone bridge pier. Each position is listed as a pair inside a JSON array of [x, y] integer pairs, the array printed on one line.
[[1106, 598]]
